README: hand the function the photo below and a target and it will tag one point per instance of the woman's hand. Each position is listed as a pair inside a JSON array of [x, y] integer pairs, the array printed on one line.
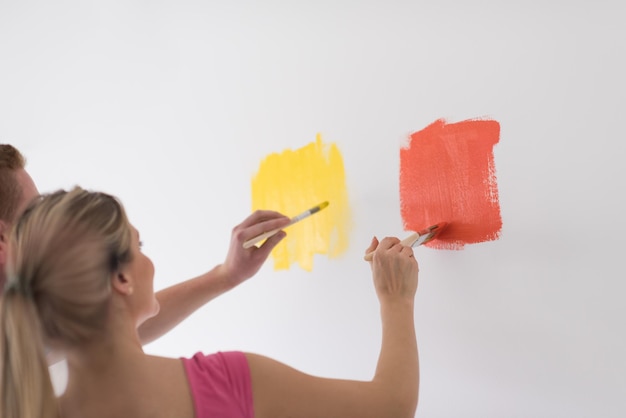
[[242, 263], [394, 269]]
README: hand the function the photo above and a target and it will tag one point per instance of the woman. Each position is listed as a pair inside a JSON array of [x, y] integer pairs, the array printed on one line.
[[79, 283]]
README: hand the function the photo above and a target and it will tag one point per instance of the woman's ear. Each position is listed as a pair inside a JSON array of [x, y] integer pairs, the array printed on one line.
[[122, 284]]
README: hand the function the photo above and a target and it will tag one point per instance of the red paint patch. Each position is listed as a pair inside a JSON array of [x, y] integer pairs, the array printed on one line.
[[447, 174]]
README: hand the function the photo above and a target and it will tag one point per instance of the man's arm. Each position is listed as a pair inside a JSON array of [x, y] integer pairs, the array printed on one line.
[[179, 301]]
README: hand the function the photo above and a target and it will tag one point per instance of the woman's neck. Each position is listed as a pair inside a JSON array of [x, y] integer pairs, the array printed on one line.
[[110, 362], [118, 342]]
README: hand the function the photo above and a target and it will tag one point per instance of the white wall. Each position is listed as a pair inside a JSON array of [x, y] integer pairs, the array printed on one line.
[[171, 105]]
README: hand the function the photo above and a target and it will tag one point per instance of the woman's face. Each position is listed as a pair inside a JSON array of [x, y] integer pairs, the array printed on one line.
[[141, 270]]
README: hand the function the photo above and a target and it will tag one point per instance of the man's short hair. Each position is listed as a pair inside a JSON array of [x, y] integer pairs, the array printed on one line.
[[11, 160]]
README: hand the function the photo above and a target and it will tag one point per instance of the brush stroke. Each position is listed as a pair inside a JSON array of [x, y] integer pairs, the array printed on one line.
[[295, 180], [447, 174]]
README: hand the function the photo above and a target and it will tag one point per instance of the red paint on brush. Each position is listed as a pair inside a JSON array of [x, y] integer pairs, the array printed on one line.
[[447, 174]]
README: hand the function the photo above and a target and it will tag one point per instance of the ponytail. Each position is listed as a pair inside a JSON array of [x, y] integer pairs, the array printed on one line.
[[26, 389], [63, 252]]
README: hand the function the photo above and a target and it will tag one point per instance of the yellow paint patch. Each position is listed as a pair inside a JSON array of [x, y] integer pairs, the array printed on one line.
[[294, 181]]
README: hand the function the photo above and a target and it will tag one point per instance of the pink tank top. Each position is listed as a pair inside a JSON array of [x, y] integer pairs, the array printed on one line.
[[220, 385]]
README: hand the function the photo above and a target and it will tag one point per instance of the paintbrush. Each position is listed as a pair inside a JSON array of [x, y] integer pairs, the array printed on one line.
[[417, 238], [249, 243]]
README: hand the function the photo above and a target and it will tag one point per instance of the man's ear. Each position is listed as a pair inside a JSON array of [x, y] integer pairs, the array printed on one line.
[[4, 236], [122, 284]]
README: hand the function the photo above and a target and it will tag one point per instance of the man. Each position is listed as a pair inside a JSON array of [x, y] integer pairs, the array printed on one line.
[[177, 302]]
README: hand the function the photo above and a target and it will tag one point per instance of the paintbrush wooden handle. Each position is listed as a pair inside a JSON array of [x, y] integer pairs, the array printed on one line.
[[408, 241]]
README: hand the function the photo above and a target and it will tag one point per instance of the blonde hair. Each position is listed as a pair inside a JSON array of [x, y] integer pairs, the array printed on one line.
[[63, 253], [11, 160]]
